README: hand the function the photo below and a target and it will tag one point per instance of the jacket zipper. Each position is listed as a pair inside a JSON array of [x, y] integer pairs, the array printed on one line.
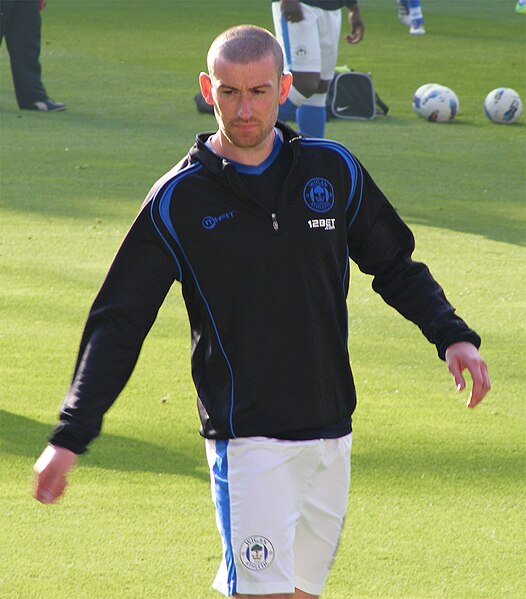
[[274, 215]]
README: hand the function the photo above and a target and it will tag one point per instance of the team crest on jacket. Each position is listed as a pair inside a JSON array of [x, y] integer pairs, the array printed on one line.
[[256, 553], [318, 194]]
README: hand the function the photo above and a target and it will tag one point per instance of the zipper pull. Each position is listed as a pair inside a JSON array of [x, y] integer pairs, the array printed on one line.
[[275, 223]]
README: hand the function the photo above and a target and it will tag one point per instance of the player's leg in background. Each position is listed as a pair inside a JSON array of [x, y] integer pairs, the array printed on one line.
[[410, 14], [416, 17], [312, 115], [23, 43], [301, 50], [403, 12]]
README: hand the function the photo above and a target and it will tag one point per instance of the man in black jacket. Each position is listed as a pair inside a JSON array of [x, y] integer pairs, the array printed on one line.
[[258, 225]]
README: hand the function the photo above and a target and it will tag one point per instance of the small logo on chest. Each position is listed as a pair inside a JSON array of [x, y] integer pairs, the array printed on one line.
[[209, 222]]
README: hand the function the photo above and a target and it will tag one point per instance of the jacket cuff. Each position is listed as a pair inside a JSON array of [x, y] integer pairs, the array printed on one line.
[[64, 436], [469, 336]]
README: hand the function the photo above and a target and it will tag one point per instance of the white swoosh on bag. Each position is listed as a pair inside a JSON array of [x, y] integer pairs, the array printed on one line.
[[342, 108]]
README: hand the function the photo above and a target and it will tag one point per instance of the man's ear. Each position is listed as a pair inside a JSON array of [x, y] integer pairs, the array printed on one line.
[[205, 83], [284, 86]]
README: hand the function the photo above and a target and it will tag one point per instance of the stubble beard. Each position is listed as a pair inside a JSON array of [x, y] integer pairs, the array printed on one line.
[[247, 139]]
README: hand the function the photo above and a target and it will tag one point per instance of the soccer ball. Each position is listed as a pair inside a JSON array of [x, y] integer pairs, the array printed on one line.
[[435, 102], [421, 92], [423, 89], [503, 105]]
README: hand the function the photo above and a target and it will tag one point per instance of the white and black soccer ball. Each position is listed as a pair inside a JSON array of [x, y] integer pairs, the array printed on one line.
[[436, 103], [503, 105]]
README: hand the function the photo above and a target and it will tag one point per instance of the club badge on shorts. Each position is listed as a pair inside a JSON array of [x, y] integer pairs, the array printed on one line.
[[256, 553]]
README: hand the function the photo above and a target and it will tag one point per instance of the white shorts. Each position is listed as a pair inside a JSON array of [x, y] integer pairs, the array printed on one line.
[[312, 44], [280, 508]]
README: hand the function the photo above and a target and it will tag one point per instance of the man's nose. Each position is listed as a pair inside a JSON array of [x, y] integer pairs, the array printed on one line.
[[244, 110]]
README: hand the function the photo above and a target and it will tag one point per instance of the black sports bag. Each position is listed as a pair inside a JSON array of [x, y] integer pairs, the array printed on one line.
[[351, 95]]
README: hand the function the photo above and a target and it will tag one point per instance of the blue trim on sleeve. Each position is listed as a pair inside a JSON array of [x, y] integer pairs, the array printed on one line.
[[180, 277], [162, 202], [165, 216]]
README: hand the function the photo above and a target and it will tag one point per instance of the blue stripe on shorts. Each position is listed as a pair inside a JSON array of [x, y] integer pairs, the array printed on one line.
[[222, 495]]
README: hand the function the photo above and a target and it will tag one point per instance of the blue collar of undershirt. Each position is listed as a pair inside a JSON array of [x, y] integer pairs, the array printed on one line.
[[248, 169]]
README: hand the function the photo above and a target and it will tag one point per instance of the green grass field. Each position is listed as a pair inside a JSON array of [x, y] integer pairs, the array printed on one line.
[[437, 501]]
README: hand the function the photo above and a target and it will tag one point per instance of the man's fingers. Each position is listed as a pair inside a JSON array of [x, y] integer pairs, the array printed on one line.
[[481, 384], [51, 471], [460, 382], [456, 372], [45, 487], [49, 486], [461, 356]]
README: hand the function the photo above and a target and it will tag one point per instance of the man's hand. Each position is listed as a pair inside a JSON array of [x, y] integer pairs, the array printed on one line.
[[356, 26], [291, 10], [51, 470], [462, 355]]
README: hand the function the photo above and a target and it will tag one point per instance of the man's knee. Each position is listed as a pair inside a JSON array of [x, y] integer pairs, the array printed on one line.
[[306, 83], [323, 87]]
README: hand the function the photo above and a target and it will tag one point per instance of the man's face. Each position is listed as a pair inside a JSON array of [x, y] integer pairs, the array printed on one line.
[[246, 99]]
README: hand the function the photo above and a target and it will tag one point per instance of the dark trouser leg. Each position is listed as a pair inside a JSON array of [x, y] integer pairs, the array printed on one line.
[[21, 24]]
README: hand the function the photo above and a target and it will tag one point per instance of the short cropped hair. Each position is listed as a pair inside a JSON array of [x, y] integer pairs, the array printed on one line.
[[243, 44]]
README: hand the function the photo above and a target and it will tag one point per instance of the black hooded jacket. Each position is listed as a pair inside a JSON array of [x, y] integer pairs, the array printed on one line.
[[265, 289]]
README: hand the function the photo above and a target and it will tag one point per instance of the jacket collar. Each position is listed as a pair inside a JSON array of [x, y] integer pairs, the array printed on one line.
[[217, 165]]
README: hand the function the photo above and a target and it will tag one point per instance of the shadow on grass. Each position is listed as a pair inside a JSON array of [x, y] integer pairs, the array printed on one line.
[[464, 176], [91, 178], [404, 466], [26, 437], [396, 465]]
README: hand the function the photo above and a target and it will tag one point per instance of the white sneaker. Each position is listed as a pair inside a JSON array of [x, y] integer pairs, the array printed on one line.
[[417, 27]]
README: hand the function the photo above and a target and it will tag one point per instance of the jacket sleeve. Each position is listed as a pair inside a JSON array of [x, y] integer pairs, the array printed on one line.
[[119, 320], [381, 244]]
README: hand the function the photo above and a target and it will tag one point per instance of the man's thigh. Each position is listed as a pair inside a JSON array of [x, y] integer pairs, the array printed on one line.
[[300, 41]]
